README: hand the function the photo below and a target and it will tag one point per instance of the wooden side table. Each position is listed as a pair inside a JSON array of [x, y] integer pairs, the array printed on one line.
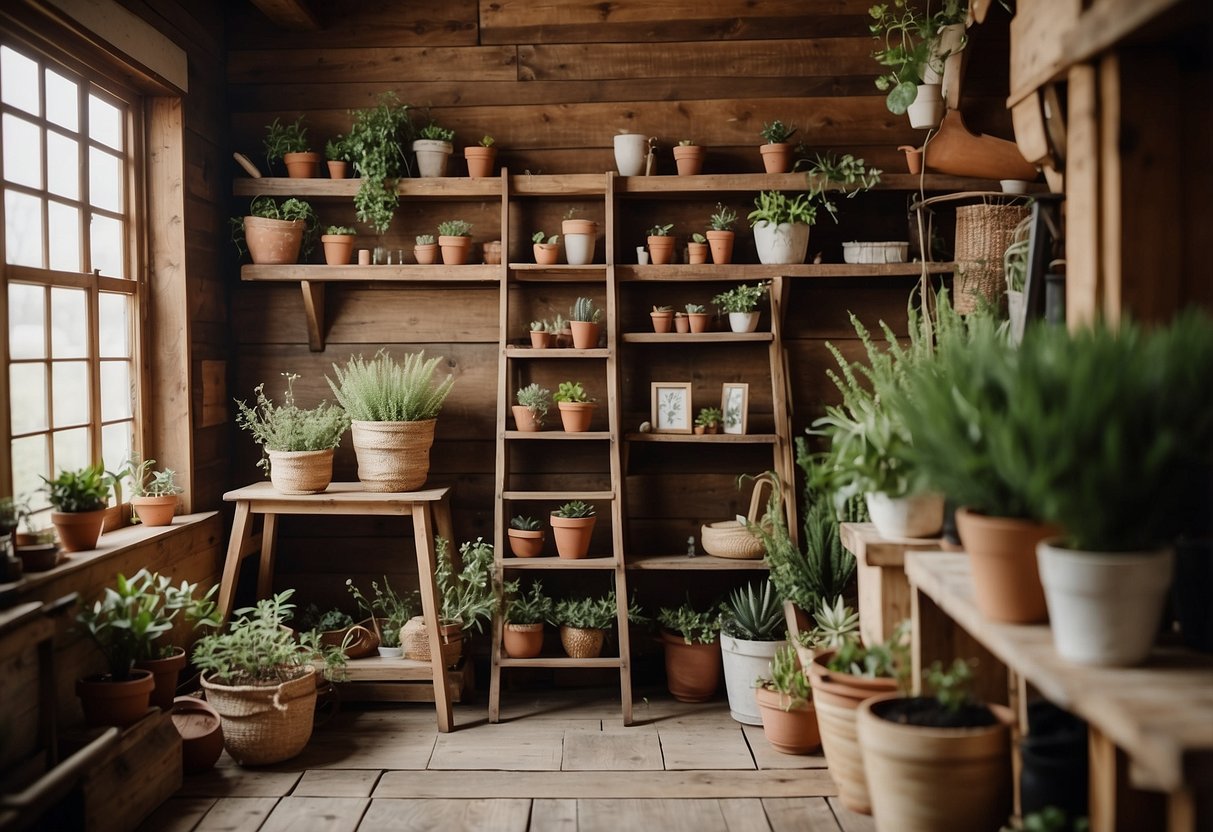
[[429, 509], [884, 591]]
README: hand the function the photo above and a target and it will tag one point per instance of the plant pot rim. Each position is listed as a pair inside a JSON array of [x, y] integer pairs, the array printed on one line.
[[162, 500], [433, 144], [525, 628], [306, 671], [1056, 546], [775, 699], [337, 238], [879, 684], [527, 533], [139, 676], [873, 706], [378, 422], [576, 405], [452, 240], [272, 222]]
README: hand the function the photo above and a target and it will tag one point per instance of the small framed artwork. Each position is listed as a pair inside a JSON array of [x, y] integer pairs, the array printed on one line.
[[735, 405], [671, 410]]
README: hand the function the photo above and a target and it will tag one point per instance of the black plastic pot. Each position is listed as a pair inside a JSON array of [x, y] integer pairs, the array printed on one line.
[[1054, 755]]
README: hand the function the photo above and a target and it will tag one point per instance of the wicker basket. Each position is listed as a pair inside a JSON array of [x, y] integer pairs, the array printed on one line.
[[416, 642], [357, 642], [265, 724], [393, 456], [731, 538], [581, 644], [301, 472], [983, 233]]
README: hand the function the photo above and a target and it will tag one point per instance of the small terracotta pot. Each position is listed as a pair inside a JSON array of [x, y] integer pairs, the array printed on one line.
[[480, 161], [582, 644], [662, 321], [689, 159], [697, 253], [201, 733], [79, 531], [572, 535], [721, 245], [338, 169], [700, 430], [913, 158], [301, 165], [661, 250], [106, 702], [1002, 555], [425, 254], [338, 248], [454, 249], [164, 673], [700, 321], [523, 641], [526, 544], [541, 340], [492, 253], [155, 511], [789, 730], [585, 334], [301, 472], [692, 670], [576, 416], [776, 158], [681, 322], [525, 419], [546, 254]]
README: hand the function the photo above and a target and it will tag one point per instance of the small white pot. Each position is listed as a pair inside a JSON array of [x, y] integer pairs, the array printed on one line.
[[743, 321], [745, 661], [1017, 313], [391, 652], [783, 244], [432, 156], [630, 152], [642, 255], [579, 249], [1104, 607], [927, 110], [915, 515]]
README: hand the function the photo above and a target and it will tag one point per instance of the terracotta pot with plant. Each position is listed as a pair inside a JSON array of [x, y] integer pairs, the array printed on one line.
[[546, 249], [338, 242], [78, 499], [585, 322], [663, 319], [425, 249], [466, 591], [688, 157], [433, 148], [337, 157], [692, 651], [721, 235], [580, 236], [785, 700], [288, 143], [480, 158], [573, 527], [698, 318], [697, 250], [455, 240], [777, 150], [525, 536], [682, 324], [741, 303], [584, 623], [542, 337], [274, 234], [154, 494], [534, 401], [661, 244], [576, 407], [752, 630], [525, 614], [708, 420]]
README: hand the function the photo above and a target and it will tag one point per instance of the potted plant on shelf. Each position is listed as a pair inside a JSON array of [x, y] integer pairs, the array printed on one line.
[[547, 250], [708, 420], [425, 249], [741, 302], [480, 157], [541, 335], [583, 624], [776, 150], [781, 226], [698, 318], [564, 335], [525, 614], [584, 321], [721, 235], [387, 613], [682, 324], [336, 628], [297, 443], [393, 409], [288, 142], [338, 242], [374, 145], [467, 601], [692, 651], [79, 499], [576, 407], [573, 526], [688, 156], [579, 239], [661, 244], [534, 400], [433, 147], [262, 681], [784, 700], [525, 536], [337, 157], [912, 46], [697, 250], [752, 631], [663, 319], [154, 494], [455, 239], [274, 234]]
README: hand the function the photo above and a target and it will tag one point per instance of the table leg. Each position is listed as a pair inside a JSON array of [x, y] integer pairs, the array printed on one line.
[[269, 547], [424, 540], [442, 519], [241, 528]]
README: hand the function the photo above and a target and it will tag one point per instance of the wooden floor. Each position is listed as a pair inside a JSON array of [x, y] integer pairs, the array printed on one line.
[[558, 762]]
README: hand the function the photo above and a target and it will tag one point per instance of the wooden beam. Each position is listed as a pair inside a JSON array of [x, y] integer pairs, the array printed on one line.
[[296, 15], [1083, 274], [313, 308]]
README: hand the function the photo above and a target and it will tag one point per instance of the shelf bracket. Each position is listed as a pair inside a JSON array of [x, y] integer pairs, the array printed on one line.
[[313, 308]]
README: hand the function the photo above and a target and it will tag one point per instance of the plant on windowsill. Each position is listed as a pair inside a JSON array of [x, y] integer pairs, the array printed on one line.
[[374, 145], [546, 249], [692, 651], [338, 242], [534, 400], [288, 142], [776, 150], [480, 158], [661, 244], [720, 234], [433, 147], [525, 614], [154, 494], [576, 407], [79, 499], [525, 536], [387, 613], [708, 420], [273, 234]]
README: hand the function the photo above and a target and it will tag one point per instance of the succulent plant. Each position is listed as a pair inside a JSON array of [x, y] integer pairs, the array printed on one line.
[[836, 624], [753, 615]]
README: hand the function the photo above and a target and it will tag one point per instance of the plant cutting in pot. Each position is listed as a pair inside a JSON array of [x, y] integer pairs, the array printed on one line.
[[525, 614], [777, 151], [661, 244], [579, 239], [833, 626], [721, 235], [525, 536], [698, 318], [576, 407], [480, 157], [337, 157], [374, 145], [752, 630], [583, 624], [534, 401], [741, 302], [708, 420], [781, 226], [425, 249], [262, 681], [573, 526], [387, 612], [274, 234], [692, 651], [154, 494], [455, 240], [297, 443], [697, 250], [393, 408], [663, 319], [78, 499], [784, 699], [338, 242], [546, 249], [938, 763], [433, 147], [288, 143], [584, 321]]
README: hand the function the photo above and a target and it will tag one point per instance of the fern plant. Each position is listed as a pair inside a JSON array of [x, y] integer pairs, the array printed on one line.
[[753, 615], [382, 390]]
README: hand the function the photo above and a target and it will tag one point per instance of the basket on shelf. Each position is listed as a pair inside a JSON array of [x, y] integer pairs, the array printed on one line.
[[416, 641], [731, 538], [983, 233], [356, 642]]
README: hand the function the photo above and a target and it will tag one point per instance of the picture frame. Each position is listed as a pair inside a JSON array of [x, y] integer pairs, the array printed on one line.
[[671, 407], [735, 405]]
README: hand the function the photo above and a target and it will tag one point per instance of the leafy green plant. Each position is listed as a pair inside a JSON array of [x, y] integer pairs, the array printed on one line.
[[776, 132], [288, 427], [661, 230], [335, 149], [574, 509], [787, 678], [775, 208], [424, 240], [432, 132], [86, 489], [382, 390], [323, 621], [1051, 819], [699, 238], [586, 613], [889, 659], [524, 523], [291, 210], [467, 595], [146, 482], [538, 239], [741, 298], [455, 228], [571, 391], [393, 609], [907, 43], [281, 139], [694, 308], [836, 625], [486, 141], [536, 398], [845, 173], [951, 687], [13, 512], [708, 416], [694, 626], [533, 607], [374, 146], [723, 218], [753, 615], [583, 309], [343, 230]]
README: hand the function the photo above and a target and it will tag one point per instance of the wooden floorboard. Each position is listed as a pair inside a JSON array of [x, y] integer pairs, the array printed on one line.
[[554, 815], [812, 815], [695, 745], [618, 749], [768, 758], [851, 821], [237, 814], [606, 815], [316, 814], [745, 814], [177, 814], [467, 814], [234, 781], [337, 782], [555, 784], [517, 746]]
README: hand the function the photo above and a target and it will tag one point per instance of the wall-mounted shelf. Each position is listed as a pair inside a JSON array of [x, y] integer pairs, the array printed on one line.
[[557, 435], [681, 186], [699, 563], [743, 272], [554, 562], [696, 337], [445, 187], [554, 353], [710, 438]]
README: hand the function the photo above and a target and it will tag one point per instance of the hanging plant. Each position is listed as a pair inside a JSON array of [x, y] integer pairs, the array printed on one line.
[[374, 145]]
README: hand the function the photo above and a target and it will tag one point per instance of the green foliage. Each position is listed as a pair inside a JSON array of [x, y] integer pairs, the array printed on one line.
[[574, 509], [1015, 258], [323, 621], [699, 238], [291, 210], [571, 391], [593, 613], [741, 298], [531, 607], [694, 308], [906, 41], [424, 239], [776, 132], [467, 595], [344, 230], [787, 678], [12, 513], [281, 139], [288, 427], [846, 173], [953, 687], [837, 624], [686, 143], [374, 146], [455, 228], [694, 626], [537, 398], [663, 309], [524, 523], [722, 218], [432, 132], [388, 607], [661, 230], [486, 141], [382, 390], [753, 615], [583, 309], [1053, 819], [775, 208], [708, 416], [86, 489], [890, 659], [148, 483], [335, 149], [538, 239]]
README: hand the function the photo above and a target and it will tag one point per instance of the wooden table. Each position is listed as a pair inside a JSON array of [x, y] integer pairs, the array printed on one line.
[[1157, 718], [429, 509], [884, 592]]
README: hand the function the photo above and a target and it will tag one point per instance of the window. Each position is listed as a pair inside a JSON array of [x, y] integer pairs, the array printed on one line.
[[67, 170]]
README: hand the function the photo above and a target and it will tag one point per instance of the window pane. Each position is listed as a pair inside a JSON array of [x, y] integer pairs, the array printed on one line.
[[104, 180], [116, 445], [22, 142], [105, 244], [18, 80], [26, 321], [65, 237], [62, 101], [29, 463], [69, 386], [104, 122], [27, 385], [115, 328], [71, 449], [63, 165], [23, 229], [116, 393], [69, 323]]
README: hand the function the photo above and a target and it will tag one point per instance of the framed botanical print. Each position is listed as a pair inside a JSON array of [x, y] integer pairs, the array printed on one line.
[[735, 405], [671, 406]]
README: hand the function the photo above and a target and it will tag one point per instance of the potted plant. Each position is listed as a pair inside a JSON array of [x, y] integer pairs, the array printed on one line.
[[576, 407], [697, 250], [525, 536], [433, 147], [708, 420], [584, 318], [661, 244], [940, 763], [776, 150], [547, 252], [632, 153], [525, 614], [692, 651], [583, 624], [288, 142], [480, 157], [337, 157], [455, 239], [564, 335], [393, 408], [688, 156], [297, 444], [912, 46], [741, 302], [663, 319], [534, 400], [492, 253], [387, 612], [785, 701], [79, 499], [338, 242], [425, 249], [752, 631], [276, 234], [467, 601], [699, 319], [262, 681], [374, 146], [781, 226], [579, 238], [682, 324], [721, 235], [1015, 267], [153, 493], [541, 335], [572, 527]]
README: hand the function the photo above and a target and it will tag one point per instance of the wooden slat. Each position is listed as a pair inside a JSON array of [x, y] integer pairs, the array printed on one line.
[[237, 814], [561, 661], [549, 815], [333, 814], [607, 815], [757, 271], [572, 784], [793, 815], [865, 543], [410, 273], [744, 814], [289, 14], [377, 24], [527, 435], [514, 747], [374, 64], [708, 438], [543, 354], [336, 782], [767, 758], [506, 815], [694, 745], [443, 187], [549, 562], [702, 562], [695, 338], [621, 749], [1084, 278]]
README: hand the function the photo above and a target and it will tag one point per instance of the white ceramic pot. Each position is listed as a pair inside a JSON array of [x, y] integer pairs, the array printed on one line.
[[391, 652], [745, 661], [743, 321], [579, 239], [630, 152], [927, 110], [786, 243], [1017, 313], [1104, 607], [432, 156], [915, 515]]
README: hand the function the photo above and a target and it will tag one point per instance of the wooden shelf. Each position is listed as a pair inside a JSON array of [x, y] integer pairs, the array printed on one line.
[[556, 434], [409, 273], [382, 669], [723, 438], [554, 352], [699, 563], [743, 272], [561, 661], [559, 273], [696, 337], [559, 185], [554, 562], [445, 187], [681, 186], [587, 496]]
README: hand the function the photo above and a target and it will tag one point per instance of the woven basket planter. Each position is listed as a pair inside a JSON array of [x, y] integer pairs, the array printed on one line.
[[983, 233], [301, 472], [393, 456], [416, 641], [265, 724], [582, 644]]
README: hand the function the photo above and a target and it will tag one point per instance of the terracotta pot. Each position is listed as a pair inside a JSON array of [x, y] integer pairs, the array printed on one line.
[[546, 254], [454, 249], [913, 158], [681, 322], [697, 253], [526, 544], [721, 245], [525, 419], [935, 779], [393, 456], [480, 161], [201, 733], [661, 250], [273, 242], [265, 724], [432, 156], [585, 334], [576, 416], [302, 165], [582, 644], [572, 535], [338, 248], [523, 641], [699, 321], [579, 239], [776, 158], [492, 253], [789, 729], [662, 321], [689, 159], [79, 531], [564, 338], [539, 339], [425, 253], [699, 430], [106, 702], [38, 557], [164, 673], [338, 169], [692, 670], [155, 511], [301, 472], [1002, 555]]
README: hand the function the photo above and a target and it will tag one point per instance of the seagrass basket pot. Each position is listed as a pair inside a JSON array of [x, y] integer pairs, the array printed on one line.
[[301, 472], [983, 233], [732, 538], [393, 456], [265, 724], [581, 643], [416, 641]]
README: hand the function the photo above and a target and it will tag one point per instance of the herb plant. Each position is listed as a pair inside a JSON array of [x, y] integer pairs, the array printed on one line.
[[741, 298], [751, 614], [775, 208], [708, 416], [335, 149], [71, 492], [586, 613], [531, 607], [694, 626], [291, 210], [146, 482], [776, 132], [787, 678], [571, 391], [288, 427], [281, 139], [382, 390], [392, 609], [536, 398], [374, 146], [432, 132], [467, 594], [342, 230]]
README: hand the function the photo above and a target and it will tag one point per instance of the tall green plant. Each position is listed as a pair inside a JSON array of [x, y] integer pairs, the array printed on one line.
[[374, 145], [467, 592], [382, 390]]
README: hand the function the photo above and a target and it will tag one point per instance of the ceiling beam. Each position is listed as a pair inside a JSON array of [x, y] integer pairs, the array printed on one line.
[[296, 15]]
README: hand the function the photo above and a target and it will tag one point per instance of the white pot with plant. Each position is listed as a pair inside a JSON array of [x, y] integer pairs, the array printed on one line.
[[525, 614], [1015, 267], [781, 227], [154, 494], [912, 48], [752, 630], [534, 401], [741, 302], [387, 612], [433, 147], [580, 236], [297, 444]]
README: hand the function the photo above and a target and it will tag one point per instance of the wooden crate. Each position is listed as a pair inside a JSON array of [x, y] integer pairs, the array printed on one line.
[[139, 774]]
